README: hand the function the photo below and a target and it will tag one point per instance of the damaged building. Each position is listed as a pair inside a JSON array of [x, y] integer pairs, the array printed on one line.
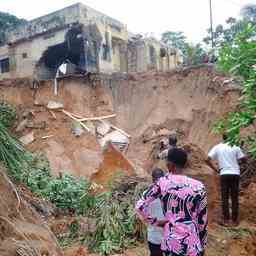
[[83, 38]]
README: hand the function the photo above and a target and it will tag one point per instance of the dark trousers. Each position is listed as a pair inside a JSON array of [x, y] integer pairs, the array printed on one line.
[[155, 249], [230, 188]]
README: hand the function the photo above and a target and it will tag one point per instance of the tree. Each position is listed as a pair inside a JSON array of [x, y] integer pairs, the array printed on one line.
[[239, 60], [194, 54], [8, 21], [249, 13], [174, 39], [226, 34]]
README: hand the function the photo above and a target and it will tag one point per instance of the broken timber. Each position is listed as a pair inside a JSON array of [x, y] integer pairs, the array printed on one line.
[[81, 119], [77, 120]]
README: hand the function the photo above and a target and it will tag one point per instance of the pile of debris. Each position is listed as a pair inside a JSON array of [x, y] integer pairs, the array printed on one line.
[[104, 131]]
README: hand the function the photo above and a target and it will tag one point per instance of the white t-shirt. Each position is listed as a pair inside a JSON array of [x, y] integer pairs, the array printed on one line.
[[155, 234], [227, 157]]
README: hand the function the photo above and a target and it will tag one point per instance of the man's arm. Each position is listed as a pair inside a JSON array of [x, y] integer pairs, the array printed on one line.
[[212, 155], [211, 165], [142, 205], [203, 219], [241, 156]]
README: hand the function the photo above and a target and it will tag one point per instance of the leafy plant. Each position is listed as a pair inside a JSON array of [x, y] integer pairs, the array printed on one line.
[[239, 60], [12, 154], [72, 236], [117, 224], [66, 192], [7, 114]]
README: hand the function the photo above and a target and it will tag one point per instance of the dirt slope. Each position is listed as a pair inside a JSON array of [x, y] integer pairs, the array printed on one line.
[[149, 107], [21, 227], [188, 101]]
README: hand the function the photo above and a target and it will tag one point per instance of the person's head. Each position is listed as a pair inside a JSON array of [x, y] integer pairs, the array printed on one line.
[[173, 140], [177, 159], [224, 137], [157, 173]]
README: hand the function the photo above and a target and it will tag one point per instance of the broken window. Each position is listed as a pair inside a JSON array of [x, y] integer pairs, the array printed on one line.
[[4, 65], [106, 48], [152, 54], [163, 52], [24, 55]]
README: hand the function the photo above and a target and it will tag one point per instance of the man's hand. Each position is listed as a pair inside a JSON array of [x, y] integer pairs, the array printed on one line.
[[161, 223], [211, 165]]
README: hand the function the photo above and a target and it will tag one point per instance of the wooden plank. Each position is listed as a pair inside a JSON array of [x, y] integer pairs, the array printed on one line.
[[77, 120], [97, 118], [83, 119]]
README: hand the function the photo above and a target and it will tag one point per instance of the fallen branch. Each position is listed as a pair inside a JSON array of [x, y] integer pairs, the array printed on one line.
[[77, 120]]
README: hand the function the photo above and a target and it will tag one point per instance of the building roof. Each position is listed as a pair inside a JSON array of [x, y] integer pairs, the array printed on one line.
[[58, 19]]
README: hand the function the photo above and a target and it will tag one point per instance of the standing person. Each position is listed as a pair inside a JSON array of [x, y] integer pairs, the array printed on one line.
[[155, 234], [185, 209], [228, 158], [172, 141]]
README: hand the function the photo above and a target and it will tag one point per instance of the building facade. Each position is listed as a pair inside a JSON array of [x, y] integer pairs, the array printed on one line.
[[90, 40]]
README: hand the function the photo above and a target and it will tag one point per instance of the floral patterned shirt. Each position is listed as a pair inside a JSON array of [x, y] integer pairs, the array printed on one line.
[[184, 205]]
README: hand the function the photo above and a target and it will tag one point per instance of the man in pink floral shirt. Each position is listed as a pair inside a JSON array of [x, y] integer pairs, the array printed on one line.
[[184, 205]]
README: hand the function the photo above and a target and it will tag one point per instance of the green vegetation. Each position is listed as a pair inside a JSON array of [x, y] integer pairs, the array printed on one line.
[[227, 33], [12, 153], [239, 60], [193, 54], [8, 21], [117, 225], [7, 114], [66, 192]]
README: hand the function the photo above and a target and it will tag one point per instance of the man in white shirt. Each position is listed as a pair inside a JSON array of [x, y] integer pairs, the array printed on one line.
[[155, 234], [228, 158]]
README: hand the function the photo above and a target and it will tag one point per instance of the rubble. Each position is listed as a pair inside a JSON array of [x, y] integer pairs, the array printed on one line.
[[27, 139], [77, 129], [117, 138], [22, 126], [55, 105], [36, 125]]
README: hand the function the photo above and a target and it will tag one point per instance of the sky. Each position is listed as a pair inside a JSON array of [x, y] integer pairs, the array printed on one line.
[[142, 16]]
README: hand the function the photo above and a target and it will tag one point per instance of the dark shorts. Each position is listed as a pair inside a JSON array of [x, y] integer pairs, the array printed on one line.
[[155, 249]]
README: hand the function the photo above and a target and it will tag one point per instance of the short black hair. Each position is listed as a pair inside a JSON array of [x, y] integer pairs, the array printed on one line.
[[177, 156], [157, 173], [224, 137], [173, 140]]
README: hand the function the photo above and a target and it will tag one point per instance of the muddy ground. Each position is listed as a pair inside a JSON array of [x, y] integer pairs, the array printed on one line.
[[149, 107]]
